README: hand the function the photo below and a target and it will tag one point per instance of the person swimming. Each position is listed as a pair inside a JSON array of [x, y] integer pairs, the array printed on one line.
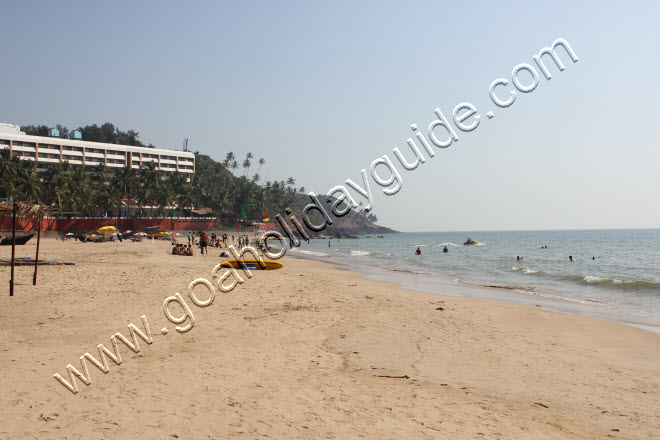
[[445, 250], [570, 258], [418, 251]]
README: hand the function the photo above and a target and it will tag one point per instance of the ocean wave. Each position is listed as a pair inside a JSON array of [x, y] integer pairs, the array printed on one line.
[[525, 270], [449, 244], [306, 252], [416, 272], [614, 283], [355, 253]]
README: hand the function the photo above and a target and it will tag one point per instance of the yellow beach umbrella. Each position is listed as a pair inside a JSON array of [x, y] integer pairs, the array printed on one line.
[[105, 229]]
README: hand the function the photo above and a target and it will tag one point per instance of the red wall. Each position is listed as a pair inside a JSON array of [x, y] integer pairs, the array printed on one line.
[[89, 224]]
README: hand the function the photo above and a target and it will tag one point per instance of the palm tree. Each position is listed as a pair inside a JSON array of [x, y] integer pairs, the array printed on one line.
[[163, 197], [58, 182], [229, 159], [150, 181], [29, 182], [290, 181], [8, 163], [261, 162], [187, 199], [80, 191], [125, 180], [101, 175], [246, 165], [8, 188], [233, 166], [108, 199]]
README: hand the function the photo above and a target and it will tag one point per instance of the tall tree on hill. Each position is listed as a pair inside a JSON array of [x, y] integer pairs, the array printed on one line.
[[261, 162], [246, 165], [35, 130], [229, 159]]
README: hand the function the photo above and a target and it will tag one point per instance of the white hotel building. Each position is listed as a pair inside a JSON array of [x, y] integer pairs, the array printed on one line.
[[44, 151]]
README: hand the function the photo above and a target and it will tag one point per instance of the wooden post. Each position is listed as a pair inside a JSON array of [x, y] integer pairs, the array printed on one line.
[[13, 250], [36, 258]]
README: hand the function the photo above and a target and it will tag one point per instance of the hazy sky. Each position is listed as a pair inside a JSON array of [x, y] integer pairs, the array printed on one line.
[[321, 90]]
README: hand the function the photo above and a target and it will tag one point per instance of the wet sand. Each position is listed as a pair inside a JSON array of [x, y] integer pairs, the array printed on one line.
[[306, 352]]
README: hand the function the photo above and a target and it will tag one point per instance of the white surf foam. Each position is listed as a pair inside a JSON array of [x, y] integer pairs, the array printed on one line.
[[355, 253], [306, 252]]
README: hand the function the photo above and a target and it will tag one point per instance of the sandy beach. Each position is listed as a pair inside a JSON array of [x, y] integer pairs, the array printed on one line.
[[308, 351]]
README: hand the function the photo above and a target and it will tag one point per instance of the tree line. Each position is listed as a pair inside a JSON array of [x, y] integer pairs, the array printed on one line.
[[106, 133], [222, 187]]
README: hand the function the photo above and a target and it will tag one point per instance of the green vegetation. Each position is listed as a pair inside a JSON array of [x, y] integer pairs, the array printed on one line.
[[220, 187], [106, 133], [90, 191]]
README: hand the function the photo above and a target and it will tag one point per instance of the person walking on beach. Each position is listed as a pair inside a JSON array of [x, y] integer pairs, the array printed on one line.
[[328, 243], [203, 242], [189, 238]]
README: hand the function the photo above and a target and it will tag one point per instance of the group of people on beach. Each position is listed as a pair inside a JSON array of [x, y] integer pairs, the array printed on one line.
[[204, 241], [182, 249]]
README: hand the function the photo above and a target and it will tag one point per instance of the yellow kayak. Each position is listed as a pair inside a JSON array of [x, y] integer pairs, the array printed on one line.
[[252, 264]]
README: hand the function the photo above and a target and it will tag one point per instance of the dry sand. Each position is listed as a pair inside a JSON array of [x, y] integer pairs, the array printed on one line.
[[307, 352]]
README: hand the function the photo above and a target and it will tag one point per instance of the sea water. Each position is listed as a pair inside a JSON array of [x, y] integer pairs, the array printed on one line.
[[615, 275]]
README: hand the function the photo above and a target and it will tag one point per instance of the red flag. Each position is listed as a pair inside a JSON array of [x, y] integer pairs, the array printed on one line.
[[238, 227], [266, 218]]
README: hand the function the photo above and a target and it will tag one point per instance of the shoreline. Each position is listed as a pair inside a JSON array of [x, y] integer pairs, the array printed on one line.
[[523, 295], [310, 351]]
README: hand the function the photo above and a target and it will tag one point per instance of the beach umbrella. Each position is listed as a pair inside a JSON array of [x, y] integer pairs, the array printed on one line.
[[127, 232], [105, 229], [176, 234], [70, 233], [140, 234]]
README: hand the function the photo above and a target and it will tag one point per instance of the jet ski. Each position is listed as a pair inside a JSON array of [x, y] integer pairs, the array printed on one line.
[[470, 241]]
